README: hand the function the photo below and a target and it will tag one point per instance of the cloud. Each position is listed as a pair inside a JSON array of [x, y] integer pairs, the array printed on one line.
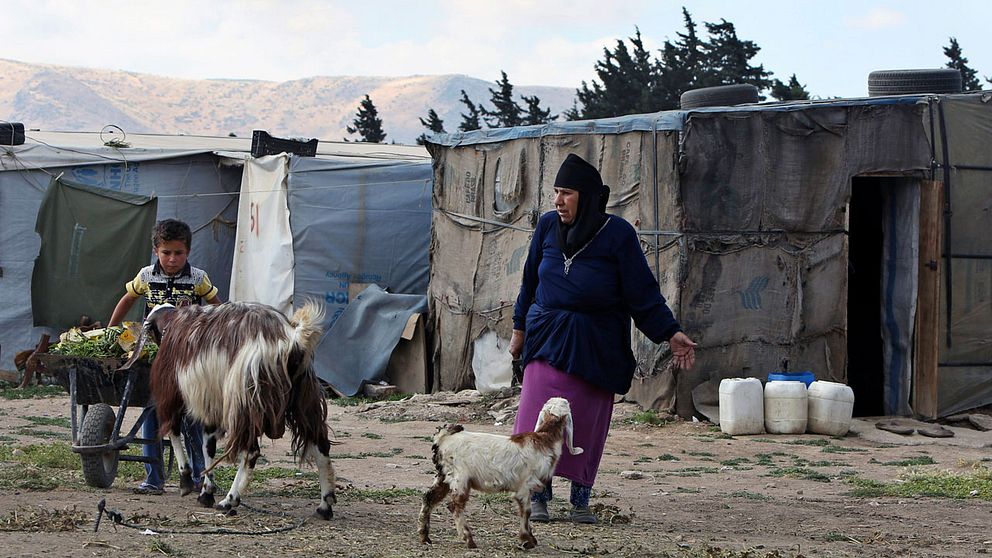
[[877, 18]]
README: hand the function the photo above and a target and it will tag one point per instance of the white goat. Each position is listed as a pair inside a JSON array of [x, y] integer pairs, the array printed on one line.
[[522, 463]]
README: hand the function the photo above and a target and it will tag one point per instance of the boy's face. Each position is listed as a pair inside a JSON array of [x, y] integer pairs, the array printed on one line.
[[172, 256]]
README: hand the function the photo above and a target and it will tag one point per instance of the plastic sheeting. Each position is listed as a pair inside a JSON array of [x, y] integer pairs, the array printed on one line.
[[356, 223], [358, 346], [83, 228], [194, 188], [263, 261]]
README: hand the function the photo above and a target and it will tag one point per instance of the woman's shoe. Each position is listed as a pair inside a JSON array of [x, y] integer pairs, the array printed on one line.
[[539, 512], [582, 515]]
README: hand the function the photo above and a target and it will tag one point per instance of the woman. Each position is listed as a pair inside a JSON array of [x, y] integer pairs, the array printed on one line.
[[585, 278]]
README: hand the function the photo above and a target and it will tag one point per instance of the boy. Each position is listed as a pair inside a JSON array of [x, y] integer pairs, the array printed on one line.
[[170, 280]]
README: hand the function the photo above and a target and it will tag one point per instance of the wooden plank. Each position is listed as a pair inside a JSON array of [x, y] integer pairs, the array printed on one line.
[[928, 300]]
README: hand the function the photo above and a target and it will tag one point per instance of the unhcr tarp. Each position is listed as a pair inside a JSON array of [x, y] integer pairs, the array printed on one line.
[[361, 214], [92, 239], [743, 214], [190, 184], [357, 223]]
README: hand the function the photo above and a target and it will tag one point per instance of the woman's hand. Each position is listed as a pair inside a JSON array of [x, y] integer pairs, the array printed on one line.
[[682, 347], [516, 343]]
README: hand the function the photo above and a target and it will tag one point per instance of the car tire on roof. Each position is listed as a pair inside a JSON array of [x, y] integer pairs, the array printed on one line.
[[902, 82], [719, 96]]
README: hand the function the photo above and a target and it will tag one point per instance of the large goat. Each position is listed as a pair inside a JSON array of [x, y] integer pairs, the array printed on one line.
[[243, 370], [522, 463]]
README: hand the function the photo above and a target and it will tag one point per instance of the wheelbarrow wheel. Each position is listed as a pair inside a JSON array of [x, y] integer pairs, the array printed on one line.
[[99, 469]]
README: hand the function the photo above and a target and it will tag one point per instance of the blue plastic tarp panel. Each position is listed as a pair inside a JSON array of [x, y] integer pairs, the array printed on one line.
[[193, 188], [358, 346], [658, 121], [359, 223]]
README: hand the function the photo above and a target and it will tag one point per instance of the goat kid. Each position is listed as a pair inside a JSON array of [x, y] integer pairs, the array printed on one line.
[[243, 370], [522, 464]]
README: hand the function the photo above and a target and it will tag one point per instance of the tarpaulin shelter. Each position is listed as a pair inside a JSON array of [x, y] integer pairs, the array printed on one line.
[[355, 214], [329, 227], [190, 181], [844, 237]]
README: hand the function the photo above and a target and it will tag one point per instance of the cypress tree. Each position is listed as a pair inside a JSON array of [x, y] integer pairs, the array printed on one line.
[[472, 120], [969, 77], [433, 124], [793, 91], [728, 58], [367, 123], [534, 113], [506, 112]]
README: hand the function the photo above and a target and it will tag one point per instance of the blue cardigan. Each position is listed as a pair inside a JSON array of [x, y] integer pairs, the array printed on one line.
[[580, 322]]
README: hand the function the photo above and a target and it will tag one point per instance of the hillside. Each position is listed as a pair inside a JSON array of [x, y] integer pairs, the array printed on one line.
[[61, 98]]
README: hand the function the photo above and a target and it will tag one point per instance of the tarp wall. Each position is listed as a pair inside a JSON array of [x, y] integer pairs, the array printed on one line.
[[742, 214], [81, 229], [191, 187], [356, 223], [965, 361]]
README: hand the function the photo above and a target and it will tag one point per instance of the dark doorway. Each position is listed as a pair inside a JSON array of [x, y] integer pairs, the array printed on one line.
[[864, 299]]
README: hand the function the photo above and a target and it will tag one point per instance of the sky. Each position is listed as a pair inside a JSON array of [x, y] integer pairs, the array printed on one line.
[[831, 46]]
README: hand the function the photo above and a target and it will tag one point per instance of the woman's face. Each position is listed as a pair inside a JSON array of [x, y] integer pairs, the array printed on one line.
[[567, 204]]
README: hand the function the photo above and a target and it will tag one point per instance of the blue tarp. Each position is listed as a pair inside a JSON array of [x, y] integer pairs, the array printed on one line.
[[359, 344], [658, 121], [361, 223]]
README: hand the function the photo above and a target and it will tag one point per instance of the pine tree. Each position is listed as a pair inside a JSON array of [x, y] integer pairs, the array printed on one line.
[[573, 113], [969, 77], [681, 63], [627, 82], [506, 112], [534, 113], [433, 124], [793, 91], [367, 123], [728, 58], [472, 120]]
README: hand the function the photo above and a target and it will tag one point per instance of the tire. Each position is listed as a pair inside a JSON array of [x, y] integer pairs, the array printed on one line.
[[99, 469], [719, 96], [902, 82]]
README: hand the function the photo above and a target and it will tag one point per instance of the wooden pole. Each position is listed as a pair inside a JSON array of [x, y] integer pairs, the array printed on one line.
[[928, 300]]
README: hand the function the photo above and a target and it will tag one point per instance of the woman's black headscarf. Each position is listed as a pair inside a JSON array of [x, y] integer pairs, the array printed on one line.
[[576, 174]]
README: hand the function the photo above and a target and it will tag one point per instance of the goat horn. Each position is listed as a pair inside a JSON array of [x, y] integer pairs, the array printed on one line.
[[139, 347]]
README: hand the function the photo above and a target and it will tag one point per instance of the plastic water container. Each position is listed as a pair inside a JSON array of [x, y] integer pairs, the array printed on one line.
[[786, 407], [742, 409], [805, 377], [831, 406]]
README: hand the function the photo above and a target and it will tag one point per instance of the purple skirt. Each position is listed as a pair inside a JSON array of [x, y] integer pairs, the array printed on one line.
[[592, 410]]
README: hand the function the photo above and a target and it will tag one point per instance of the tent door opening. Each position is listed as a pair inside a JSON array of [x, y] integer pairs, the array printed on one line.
[[883, 261], [864, 323]]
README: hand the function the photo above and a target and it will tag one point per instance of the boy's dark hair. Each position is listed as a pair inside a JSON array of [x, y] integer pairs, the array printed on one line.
[[172, 229]]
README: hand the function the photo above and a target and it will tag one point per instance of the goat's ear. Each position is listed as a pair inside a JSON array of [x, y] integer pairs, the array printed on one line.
[[540, 420], [568, 436], [139, 346]]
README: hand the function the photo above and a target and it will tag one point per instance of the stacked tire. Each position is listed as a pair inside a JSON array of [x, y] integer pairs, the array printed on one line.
[[719, 96], [904, 82]]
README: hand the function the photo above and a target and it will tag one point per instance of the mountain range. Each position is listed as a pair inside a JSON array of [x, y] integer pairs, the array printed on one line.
[[61, 98]]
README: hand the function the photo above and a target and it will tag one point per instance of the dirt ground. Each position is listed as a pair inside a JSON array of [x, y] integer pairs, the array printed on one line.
[[678, 489]]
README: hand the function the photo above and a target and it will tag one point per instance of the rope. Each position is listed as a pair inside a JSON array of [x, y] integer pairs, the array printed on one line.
[[118, 519]]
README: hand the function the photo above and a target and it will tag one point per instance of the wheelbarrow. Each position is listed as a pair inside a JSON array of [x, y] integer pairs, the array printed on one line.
[[96, 385]]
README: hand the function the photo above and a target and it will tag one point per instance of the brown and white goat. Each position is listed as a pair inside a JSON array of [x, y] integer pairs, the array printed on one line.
[[243, 370], [522, 464]]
